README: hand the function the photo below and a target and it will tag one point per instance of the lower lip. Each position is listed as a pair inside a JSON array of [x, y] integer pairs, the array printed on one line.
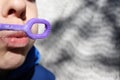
[[16, 42]]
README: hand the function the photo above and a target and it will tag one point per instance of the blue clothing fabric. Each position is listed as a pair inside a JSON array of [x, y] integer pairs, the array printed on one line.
[[31, 69], [40, 73]]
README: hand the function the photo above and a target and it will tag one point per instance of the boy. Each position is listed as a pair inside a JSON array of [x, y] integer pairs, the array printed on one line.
[[18, 57]]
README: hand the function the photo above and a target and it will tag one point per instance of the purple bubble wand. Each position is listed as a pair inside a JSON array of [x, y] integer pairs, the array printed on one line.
[[27, 28]]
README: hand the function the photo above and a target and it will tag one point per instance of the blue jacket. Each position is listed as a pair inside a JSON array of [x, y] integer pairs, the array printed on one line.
[[31, 69]]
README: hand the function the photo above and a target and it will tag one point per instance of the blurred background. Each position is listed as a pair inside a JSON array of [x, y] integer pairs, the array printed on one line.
[[84, 43]]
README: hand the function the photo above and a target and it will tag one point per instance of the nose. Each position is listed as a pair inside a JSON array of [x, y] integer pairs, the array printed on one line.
[[16, 8]]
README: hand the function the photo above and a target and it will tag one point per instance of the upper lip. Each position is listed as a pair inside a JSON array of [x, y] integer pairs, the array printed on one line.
[[15, 34]]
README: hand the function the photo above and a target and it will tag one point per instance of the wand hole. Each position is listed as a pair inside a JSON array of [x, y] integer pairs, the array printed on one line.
[[38, 28]]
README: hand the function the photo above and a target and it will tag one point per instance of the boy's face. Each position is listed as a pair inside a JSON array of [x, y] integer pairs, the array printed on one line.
[[14, 46]]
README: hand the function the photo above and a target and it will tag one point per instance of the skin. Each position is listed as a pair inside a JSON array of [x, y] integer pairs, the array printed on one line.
[[13, 54]]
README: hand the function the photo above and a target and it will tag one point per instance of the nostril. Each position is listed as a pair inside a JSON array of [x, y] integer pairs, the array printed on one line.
[[22, 15], [11, 11], [19, 15]]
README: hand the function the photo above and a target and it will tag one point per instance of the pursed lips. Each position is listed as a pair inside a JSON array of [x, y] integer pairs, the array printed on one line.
[[15, 39], [15, 34]]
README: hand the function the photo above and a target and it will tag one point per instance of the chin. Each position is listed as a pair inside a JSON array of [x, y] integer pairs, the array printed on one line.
[[12, 61], [14, 57]]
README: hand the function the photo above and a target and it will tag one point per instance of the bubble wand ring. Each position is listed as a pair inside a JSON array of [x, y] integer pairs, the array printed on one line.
[[27, 28]]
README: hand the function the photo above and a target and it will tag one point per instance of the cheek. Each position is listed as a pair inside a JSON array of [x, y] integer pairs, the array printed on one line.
[[35, 29], [31, 10]]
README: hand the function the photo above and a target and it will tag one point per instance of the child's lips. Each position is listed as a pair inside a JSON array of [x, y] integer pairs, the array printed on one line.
[[16, 39]]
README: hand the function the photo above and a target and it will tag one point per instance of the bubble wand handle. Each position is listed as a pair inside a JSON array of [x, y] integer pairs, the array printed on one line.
[[13, 27], [27, 28]]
